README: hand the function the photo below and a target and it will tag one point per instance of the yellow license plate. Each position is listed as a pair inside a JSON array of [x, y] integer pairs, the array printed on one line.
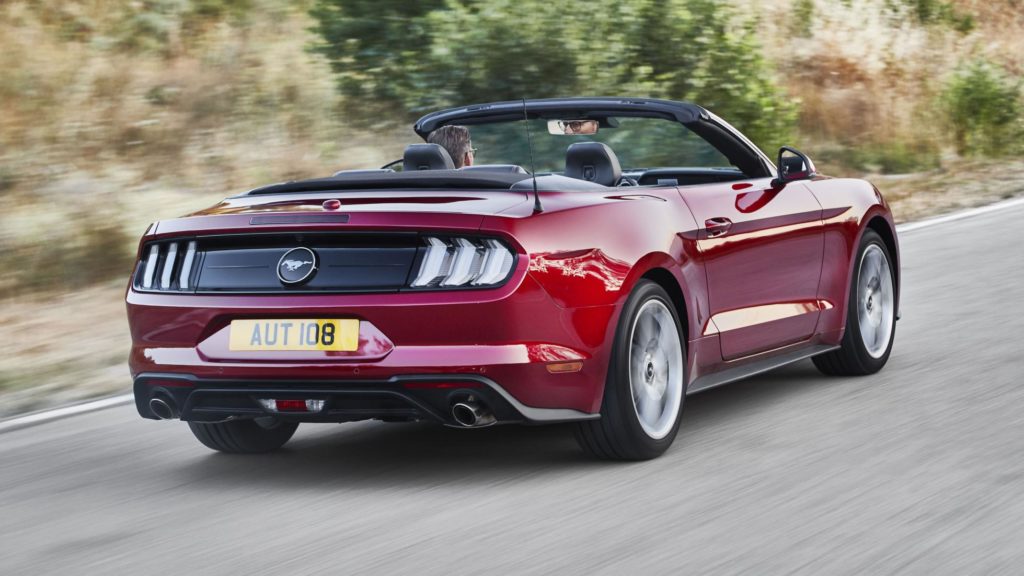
[[294, 334]]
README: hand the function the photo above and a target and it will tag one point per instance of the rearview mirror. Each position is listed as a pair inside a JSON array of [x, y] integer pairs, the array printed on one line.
[[572, 127], [793, 165]]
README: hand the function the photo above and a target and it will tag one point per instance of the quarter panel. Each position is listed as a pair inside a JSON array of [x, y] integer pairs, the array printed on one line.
[[590, 249]]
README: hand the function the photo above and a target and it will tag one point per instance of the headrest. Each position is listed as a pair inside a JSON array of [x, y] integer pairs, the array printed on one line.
[[426, 157], [593, 162]]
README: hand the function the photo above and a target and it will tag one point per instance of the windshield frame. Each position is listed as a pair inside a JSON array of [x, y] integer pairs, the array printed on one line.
[[740, 151]]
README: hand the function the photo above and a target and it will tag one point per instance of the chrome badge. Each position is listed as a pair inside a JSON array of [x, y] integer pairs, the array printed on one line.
[[297, 265]]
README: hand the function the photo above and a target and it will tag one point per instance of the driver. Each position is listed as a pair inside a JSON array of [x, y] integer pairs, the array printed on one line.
[[454, 139]]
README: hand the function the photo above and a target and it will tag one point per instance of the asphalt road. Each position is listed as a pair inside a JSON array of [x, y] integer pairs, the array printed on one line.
[[918, 470]]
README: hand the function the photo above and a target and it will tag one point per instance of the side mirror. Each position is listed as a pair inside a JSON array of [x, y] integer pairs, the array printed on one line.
[[793, 165]]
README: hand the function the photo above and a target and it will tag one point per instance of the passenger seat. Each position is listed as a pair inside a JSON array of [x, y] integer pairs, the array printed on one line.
[[593, 162], [426, 157]]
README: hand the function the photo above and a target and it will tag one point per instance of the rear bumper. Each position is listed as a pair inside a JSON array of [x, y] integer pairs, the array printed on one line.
[[401, 398], [506, 339]]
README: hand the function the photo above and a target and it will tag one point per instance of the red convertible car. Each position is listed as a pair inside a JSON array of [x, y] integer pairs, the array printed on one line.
[[600, 260]]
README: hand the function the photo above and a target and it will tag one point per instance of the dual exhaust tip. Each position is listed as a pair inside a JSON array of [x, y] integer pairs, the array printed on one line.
[[163, 409], [470, 414]]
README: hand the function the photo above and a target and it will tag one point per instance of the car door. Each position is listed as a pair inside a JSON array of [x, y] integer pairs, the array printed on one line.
[[763, 249]]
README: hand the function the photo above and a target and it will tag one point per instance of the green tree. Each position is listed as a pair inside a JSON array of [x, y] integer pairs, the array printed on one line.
[[375, 47], [411, 58], [984, 109]]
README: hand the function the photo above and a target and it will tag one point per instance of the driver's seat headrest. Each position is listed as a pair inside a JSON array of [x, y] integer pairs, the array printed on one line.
[[426, 157], [593, 162]]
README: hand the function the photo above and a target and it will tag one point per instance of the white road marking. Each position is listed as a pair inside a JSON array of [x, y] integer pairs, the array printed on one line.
[[969, 213], [49, 415]]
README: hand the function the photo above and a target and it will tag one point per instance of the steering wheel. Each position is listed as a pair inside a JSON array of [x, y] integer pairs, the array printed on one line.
[[626, 181]]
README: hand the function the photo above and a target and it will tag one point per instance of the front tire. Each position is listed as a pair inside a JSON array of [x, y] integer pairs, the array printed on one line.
[[646, 386], [870, 314], [244, 436]]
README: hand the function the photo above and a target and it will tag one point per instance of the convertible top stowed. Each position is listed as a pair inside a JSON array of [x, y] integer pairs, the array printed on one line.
[[424, 179]]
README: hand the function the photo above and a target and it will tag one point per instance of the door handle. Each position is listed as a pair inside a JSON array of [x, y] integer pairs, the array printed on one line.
[[717, 226]]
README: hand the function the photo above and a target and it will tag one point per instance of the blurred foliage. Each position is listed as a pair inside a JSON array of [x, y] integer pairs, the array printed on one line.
[[92, 247], [155, 25], [148, 25], [7, 179], [985, 110], [896, 157], [800, 24], [391, 55], [938, 12]]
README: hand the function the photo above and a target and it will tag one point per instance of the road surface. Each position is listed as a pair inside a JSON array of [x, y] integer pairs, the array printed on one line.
[[918, 470]]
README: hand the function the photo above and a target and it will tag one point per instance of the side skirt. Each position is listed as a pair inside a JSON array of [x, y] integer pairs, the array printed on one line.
[[750, 368]]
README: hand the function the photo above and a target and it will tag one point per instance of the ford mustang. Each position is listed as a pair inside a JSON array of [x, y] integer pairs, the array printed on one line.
[[595, 261]]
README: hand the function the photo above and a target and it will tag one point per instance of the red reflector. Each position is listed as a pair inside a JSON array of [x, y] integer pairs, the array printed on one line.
[[290, 405], [440, 385]]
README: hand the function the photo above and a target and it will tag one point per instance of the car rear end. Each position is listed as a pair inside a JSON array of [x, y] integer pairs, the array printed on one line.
[[297, 311]]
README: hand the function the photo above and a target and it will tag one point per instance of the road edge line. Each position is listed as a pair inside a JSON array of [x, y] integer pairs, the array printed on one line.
[[960, 215], [43, 416]]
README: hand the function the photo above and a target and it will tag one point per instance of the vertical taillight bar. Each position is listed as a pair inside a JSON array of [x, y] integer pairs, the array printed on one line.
[[462, 266], [433, 261], [186, 265], [165, 277], [151, 260]]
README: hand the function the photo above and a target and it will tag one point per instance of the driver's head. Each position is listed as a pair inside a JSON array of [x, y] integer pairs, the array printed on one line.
[[454, 139], [573, 127]]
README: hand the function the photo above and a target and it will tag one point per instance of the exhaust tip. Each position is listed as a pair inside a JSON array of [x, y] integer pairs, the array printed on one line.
[[471, 415], [161, 409], [464, 414]]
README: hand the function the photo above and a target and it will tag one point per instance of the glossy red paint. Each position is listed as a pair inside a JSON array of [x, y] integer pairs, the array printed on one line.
[[776, 278], [763, 271]]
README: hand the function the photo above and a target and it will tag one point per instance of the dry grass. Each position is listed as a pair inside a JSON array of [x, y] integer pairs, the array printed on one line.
[[98, 140], [957, 186], [62, 349], [869, 77], [235, 105]]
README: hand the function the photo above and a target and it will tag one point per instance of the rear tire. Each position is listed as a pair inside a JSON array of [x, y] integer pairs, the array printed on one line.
[[870, 314], [243, 436], [646, 385]]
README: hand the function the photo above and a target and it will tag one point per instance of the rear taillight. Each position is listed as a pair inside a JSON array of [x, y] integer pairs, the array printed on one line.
[[167, 266], [461, 262]]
